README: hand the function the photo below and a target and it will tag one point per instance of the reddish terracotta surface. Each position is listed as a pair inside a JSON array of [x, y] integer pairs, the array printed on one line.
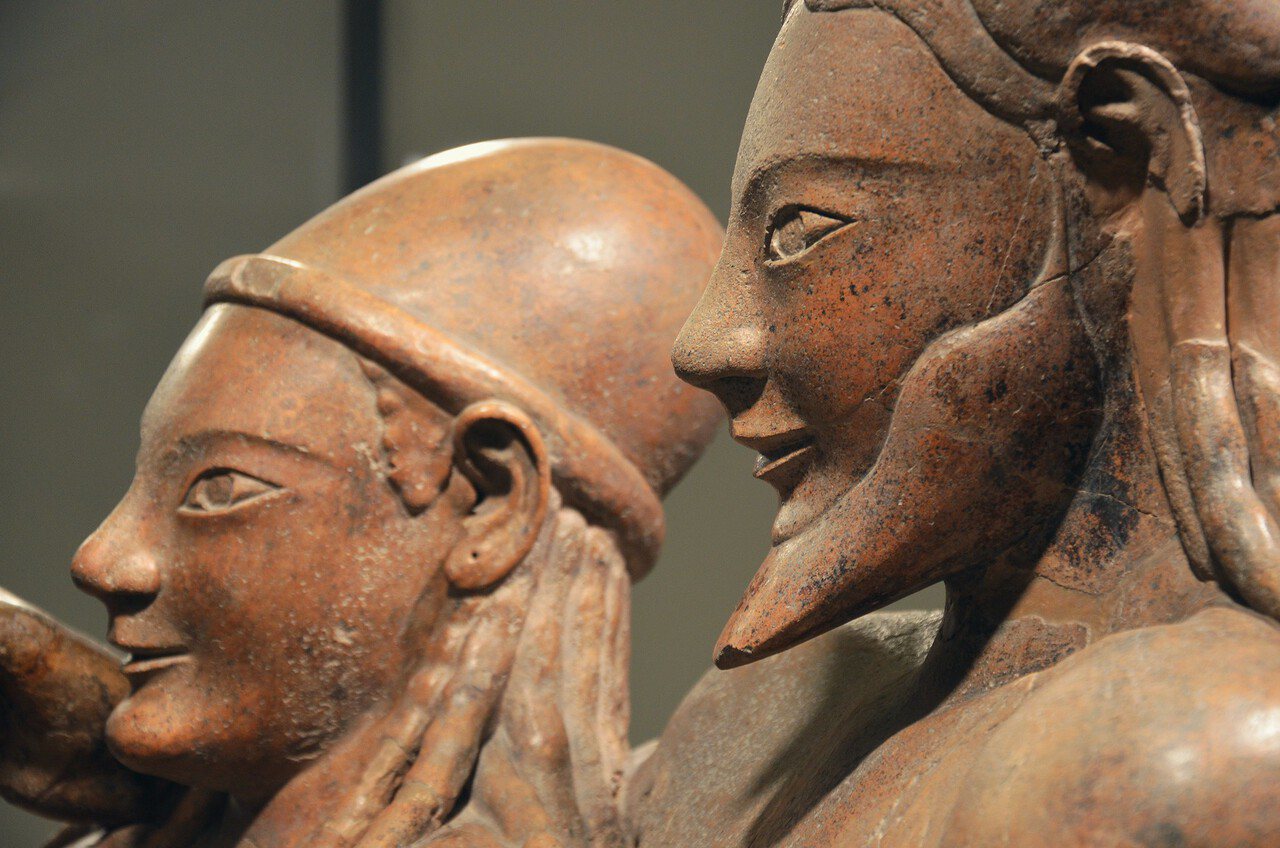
[[997, 306], [390, 498]]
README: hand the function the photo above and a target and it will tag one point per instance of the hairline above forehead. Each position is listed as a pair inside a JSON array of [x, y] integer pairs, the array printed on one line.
[[772, 142], [1232, 44], [980, 66]]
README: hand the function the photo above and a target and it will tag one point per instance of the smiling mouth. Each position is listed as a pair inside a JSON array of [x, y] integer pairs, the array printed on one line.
[[149, 660], [783, 466]]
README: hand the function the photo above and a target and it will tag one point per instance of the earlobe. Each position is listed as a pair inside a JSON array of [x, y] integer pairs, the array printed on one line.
[[501, 452], [1126, 111]]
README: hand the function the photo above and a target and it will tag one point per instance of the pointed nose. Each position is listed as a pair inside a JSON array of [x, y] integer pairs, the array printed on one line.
[[113, 566], [721, 347]]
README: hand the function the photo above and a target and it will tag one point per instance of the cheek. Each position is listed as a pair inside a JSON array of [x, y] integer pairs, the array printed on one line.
[[837, 339], [308, 602], [851, 320], [855, 319], [294, 634], [268, 570]]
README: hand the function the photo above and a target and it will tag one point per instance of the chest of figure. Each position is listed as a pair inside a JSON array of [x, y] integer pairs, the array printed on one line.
[[903, 794]]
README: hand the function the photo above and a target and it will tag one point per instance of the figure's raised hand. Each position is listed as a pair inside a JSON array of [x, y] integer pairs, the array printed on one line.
[[56, 690]]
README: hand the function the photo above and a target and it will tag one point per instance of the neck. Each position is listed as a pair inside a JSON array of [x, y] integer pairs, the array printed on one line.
[[1114, 562]]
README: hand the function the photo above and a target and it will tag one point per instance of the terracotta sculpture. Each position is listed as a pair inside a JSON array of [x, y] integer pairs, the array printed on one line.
[[390, 497], [999, 306]]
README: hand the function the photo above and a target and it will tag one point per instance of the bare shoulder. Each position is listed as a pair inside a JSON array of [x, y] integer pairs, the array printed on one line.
[[869, 650], [1164, 736], [738, 734]]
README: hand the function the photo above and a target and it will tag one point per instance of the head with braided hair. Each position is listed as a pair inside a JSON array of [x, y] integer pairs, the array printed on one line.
[[1000, 284]]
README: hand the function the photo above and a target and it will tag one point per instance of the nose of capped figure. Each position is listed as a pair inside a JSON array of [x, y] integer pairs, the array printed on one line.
[[721, 348], [113, 567]]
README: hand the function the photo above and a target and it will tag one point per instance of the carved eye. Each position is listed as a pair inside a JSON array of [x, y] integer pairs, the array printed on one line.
[[795, 230], [222, 489]]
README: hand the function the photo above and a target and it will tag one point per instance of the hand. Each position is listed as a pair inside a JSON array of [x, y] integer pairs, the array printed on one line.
[[56, 690]]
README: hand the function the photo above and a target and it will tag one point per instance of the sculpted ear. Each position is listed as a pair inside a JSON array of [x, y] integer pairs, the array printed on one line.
[[1128, 116], [497, 447]]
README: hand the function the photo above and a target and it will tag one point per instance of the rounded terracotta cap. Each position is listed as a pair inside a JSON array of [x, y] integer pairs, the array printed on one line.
[[558, 270]]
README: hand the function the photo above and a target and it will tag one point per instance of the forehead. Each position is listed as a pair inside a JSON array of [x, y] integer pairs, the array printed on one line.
[[246, 370], [859, 84]]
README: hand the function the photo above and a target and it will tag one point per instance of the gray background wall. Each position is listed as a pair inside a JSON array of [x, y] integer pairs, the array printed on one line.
[[141, 142]]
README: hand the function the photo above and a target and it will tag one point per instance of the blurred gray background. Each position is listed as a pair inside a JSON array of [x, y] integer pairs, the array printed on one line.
[[142, 142]]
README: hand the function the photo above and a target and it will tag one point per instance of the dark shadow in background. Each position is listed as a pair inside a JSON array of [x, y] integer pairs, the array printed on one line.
[[362, 50]]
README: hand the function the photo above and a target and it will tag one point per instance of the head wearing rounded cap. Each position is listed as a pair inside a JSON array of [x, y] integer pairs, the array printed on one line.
[[549, 273]]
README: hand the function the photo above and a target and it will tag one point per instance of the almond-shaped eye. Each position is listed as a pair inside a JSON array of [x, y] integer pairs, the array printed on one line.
[[222, 489], [796, 229]]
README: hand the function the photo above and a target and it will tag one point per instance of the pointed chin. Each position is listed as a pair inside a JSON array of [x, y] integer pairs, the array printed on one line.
[[987, 437], [875, 544]]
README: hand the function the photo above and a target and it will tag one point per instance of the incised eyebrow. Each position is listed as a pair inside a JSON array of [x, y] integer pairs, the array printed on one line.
[[200, 441]]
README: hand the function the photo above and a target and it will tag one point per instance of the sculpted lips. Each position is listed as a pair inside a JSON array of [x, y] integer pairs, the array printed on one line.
[[147, 659], [783, 456]]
